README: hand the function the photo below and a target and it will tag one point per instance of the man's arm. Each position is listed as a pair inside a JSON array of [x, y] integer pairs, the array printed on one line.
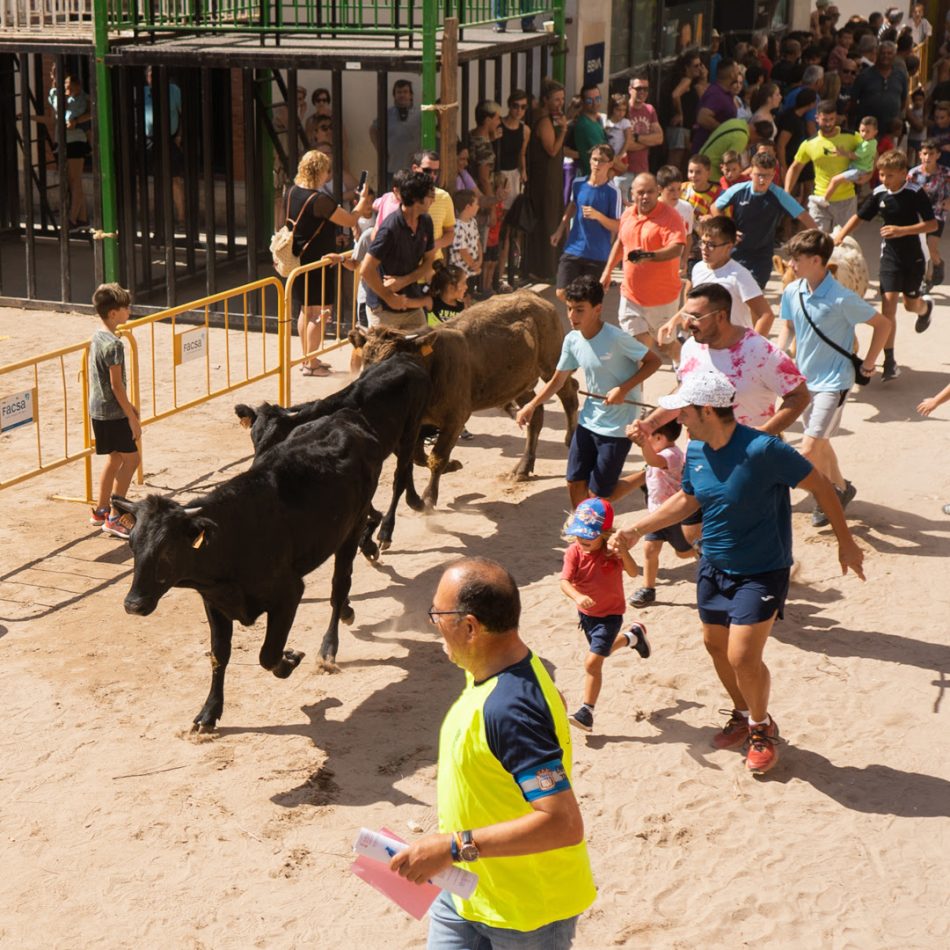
[[648, 366], [791, 176], [806, 220], [562, 226], [447, 239], [762, 315], [423, 272], [793, 405], [550, 388], [615, 252], [849, 554], [706, 119], [672, 511], [554, 822], [369, 274]]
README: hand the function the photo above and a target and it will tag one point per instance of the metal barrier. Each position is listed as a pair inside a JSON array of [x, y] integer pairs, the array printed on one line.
[[338, 264], [29, 387]]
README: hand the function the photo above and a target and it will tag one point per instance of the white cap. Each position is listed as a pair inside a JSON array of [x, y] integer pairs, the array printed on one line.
[[708, 388]]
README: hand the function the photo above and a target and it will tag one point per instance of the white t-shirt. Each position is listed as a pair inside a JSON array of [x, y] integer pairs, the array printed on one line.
[[737, 280], [687, 212], [759, 371], [616, 132]]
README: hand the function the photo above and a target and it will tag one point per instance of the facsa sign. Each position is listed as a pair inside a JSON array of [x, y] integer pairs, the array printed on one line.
[[17, 410], [191, 345]]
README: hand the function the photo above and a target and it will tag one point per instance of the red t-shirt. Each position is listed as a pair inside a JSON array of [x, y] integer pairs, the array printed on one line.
[[651, 283], [599, 576]]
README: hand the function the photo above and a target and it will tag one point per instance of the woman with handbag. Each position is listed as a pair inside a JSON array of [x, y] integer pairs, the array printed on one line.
[[314, 214]]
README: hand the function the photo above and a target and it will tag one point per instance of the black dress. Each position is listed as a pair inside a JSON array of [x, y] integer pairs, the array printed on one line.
[[314, 237]]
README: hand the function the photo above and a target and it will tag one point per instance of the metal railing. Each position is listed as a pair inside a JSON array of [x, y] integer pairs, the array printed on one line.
[[38, 17]]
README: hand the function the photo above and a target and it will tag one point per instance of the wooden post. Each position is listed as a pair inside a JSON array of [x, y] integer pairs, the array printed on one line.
[[449, 117]]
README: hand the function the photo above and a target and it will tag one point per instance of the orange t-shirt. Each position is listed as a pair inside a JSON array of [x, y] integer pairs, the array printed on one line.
[[651, 283]]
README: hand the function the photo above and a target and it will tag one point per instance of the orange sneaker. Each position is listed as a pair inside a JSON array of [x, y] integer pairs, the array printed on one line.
[[763, 748], [734, 733]]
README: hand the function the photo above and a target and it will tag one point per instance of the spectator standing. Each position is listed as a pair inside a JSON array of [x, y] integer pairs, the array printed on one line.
[[824, 152], [442, 210], [403, 129], [593, 580], [505, 802], [645, 127], [757, 207], [464, 177], [881, 90], [614, 365], [402, 251], [514, 144], [939, 131], [588, 129], [316, 213], [670, 183], [920, 28], [650, 243], [934, 180], [481, 144], [791, 134], [691, 82], [867, 52], [593, 217], [812, 78], [545, 170], [77, 117], [907, 213], [817, 304], [740, 479], [841, 52], [717, 104], [467, 245], [619, 138], [700, 192], [765, 105], [176, 158], [501, 26], [788, 70]]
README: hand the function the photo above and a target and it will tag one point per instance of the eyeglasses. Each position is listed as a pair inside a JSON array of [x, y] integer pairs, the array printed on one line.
[[599, 161], [518, 105], [439, 613], [591, 98], [695, 317], [431, 172], [640, 88], [720, 244]]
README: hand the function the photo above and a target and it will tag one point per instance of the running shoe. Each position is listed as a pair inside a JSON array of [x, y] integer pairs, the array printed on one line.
[[923, 320], [637, 637], [763, 747], [937, 274], [734, 733], [846, 495], [642, 596], [120, 527], [891, 371], [818, 518], [583, 719], [98, 516]]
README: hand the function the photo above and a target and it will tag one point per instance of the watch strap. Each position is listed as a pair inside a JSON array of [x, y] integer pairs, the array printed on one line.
[[455, 847]]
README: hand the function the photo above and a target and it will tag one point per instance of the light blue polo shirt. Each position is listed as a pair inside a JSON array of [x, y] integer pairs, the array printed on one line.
[[608, 360], [837, 311]]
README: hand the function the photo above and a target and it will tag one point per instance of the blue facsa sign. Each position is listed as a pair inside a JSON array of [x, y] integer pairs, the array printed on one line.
[[594, 63]]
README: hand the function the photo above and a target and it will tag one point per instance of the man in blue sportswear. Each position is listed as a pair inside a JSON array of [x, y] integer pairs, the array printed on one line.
[[614, 365], [593, 215], [740, 478], [757, 208], [507, 809]]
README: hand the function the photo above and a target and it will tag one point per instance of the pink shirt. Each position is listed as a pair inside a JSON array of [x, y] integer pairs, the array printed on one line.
[[663, 483], [642, 119], [599, 576], [758, 370], [384, 206]]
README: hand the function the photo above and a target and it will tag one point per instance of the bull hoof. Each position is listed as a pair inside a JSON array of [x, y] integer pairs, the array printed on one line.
[[327, 665], [385, 545], [288, 663], [202, 725], [518, 475], [347, 615], [370, 551], [415, 502], [453, 466]]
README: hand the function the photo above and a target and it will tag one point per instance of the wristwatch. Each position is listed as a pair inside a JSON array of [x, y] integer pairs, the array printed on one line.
[[468, 850]]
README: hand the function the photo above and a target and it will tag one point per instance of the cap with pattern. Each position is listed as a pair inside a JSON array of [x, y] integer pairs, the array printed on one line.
[[591, 518], [709, 388]]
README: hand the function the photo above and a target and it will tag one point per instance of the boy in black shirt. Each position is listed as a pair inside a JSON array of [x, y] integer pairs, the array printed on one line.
[[907, 213]]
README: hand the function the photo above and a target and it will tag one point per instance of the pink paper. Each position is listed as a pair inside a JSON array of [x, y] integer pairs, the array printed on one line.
[[415, 899]]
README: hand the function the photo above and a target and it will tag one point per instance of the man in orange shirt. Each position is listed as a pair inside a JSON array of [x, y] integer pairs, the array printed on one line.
[[651, 239]]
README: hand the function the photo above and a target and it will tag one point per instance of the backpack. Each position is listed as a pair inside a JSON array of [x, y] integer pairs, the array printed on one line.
[[282, 242]]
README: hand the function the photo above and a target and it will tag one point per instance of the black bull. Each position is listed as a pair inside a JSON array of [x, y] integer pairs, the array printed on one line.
[[247, 545]]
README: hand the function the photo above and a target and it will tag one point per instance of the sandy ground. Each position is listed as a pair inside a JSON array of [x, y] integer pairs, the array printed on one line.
[[121, 830]]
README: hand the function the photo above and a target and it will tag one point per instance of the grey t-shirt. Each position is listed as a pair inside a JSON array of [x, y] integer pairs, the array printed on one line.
[[404, 137], [106, 350]]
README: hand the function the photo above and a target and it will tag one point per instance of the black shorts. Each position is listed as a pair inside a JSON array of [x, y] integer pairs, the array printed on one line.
[[596, 459], [77, 149], [600, 631], [113, 435], [491, 253], [673, 535], [901, 276], [571, 266], [745, 599]]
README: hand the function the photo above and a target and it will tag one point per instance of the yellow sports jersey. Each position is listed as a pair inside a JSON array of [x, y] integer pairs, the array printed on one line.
[[822, 153]]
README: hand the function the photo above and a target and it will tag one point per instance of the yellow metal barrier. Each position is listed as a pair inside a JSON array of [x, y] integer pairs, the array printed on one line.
[[29, 397], [330, 273]]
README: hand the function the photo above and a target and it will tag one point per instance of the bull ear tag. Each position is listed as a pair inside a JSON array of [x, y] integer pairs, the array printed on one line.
[[425, 349], [199, 540]]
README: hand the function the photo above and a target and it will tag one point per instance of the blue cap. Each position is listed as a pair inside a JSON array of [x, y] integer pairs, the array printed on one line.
[[591, 518]]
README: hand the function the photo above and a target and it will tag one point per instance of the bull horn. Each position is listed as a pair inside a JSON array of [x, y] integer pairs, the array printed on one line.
[[191, 512]]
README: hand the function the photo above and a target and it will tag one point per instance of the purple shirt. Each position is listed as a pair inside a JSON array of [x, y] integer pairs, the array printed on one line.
[[722, 104]]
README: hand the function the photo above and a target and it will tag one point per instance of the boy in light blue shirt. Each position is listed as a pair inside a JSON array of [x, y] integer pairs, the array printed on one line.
[[817, 298], [614, 365]]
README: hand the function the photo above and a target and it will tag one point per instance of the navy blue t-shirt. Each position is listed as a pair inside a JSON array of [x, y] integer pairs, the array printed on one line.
[[756, 217], [743, 489], [400, 251]]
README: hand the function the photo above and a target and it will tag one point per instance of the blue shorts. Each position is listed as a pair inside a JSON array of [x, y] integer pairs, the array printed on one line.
[[673, 535], [726, 599], [597, 459], [601, 631]]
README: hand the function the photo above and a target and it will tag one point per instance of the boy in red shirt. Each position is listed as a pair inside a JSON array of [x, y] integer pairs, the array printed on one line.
[[593, 579]]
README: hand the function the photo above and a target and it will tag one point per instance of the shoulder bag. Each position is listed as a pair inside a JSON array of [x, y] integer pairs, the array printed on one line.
[[282, 242], [856, 361]]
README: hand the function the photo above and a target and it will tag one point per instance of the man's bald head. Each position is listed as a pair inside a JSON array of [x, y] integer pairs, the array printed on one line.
[[487, 591]]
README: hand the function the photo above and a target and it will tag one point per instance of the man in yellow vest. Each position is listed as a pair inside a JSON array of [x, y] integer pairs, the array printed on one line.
[[507, 810]]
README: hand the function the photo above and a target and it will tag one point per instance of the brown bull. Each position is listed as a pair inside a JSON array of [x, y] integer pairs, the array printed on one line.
[[490, 356]]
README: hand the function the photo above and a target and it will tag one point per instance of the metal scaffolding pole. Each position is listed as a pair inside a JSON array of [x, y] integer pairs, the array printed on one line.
[[110, 245]]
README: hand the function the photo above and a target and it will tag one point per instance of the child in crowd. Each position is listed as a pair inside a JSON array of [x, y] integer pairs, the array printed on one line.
[[934, 180], [731, 168], [448, 290], [767, 147], [115, 421], [670, 182], [619, 130], [467, 246], [664, 476], [493, 241], [916, 123], [940, 130], [593, 579], [862, 160], [700, 192], [907, 213]]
